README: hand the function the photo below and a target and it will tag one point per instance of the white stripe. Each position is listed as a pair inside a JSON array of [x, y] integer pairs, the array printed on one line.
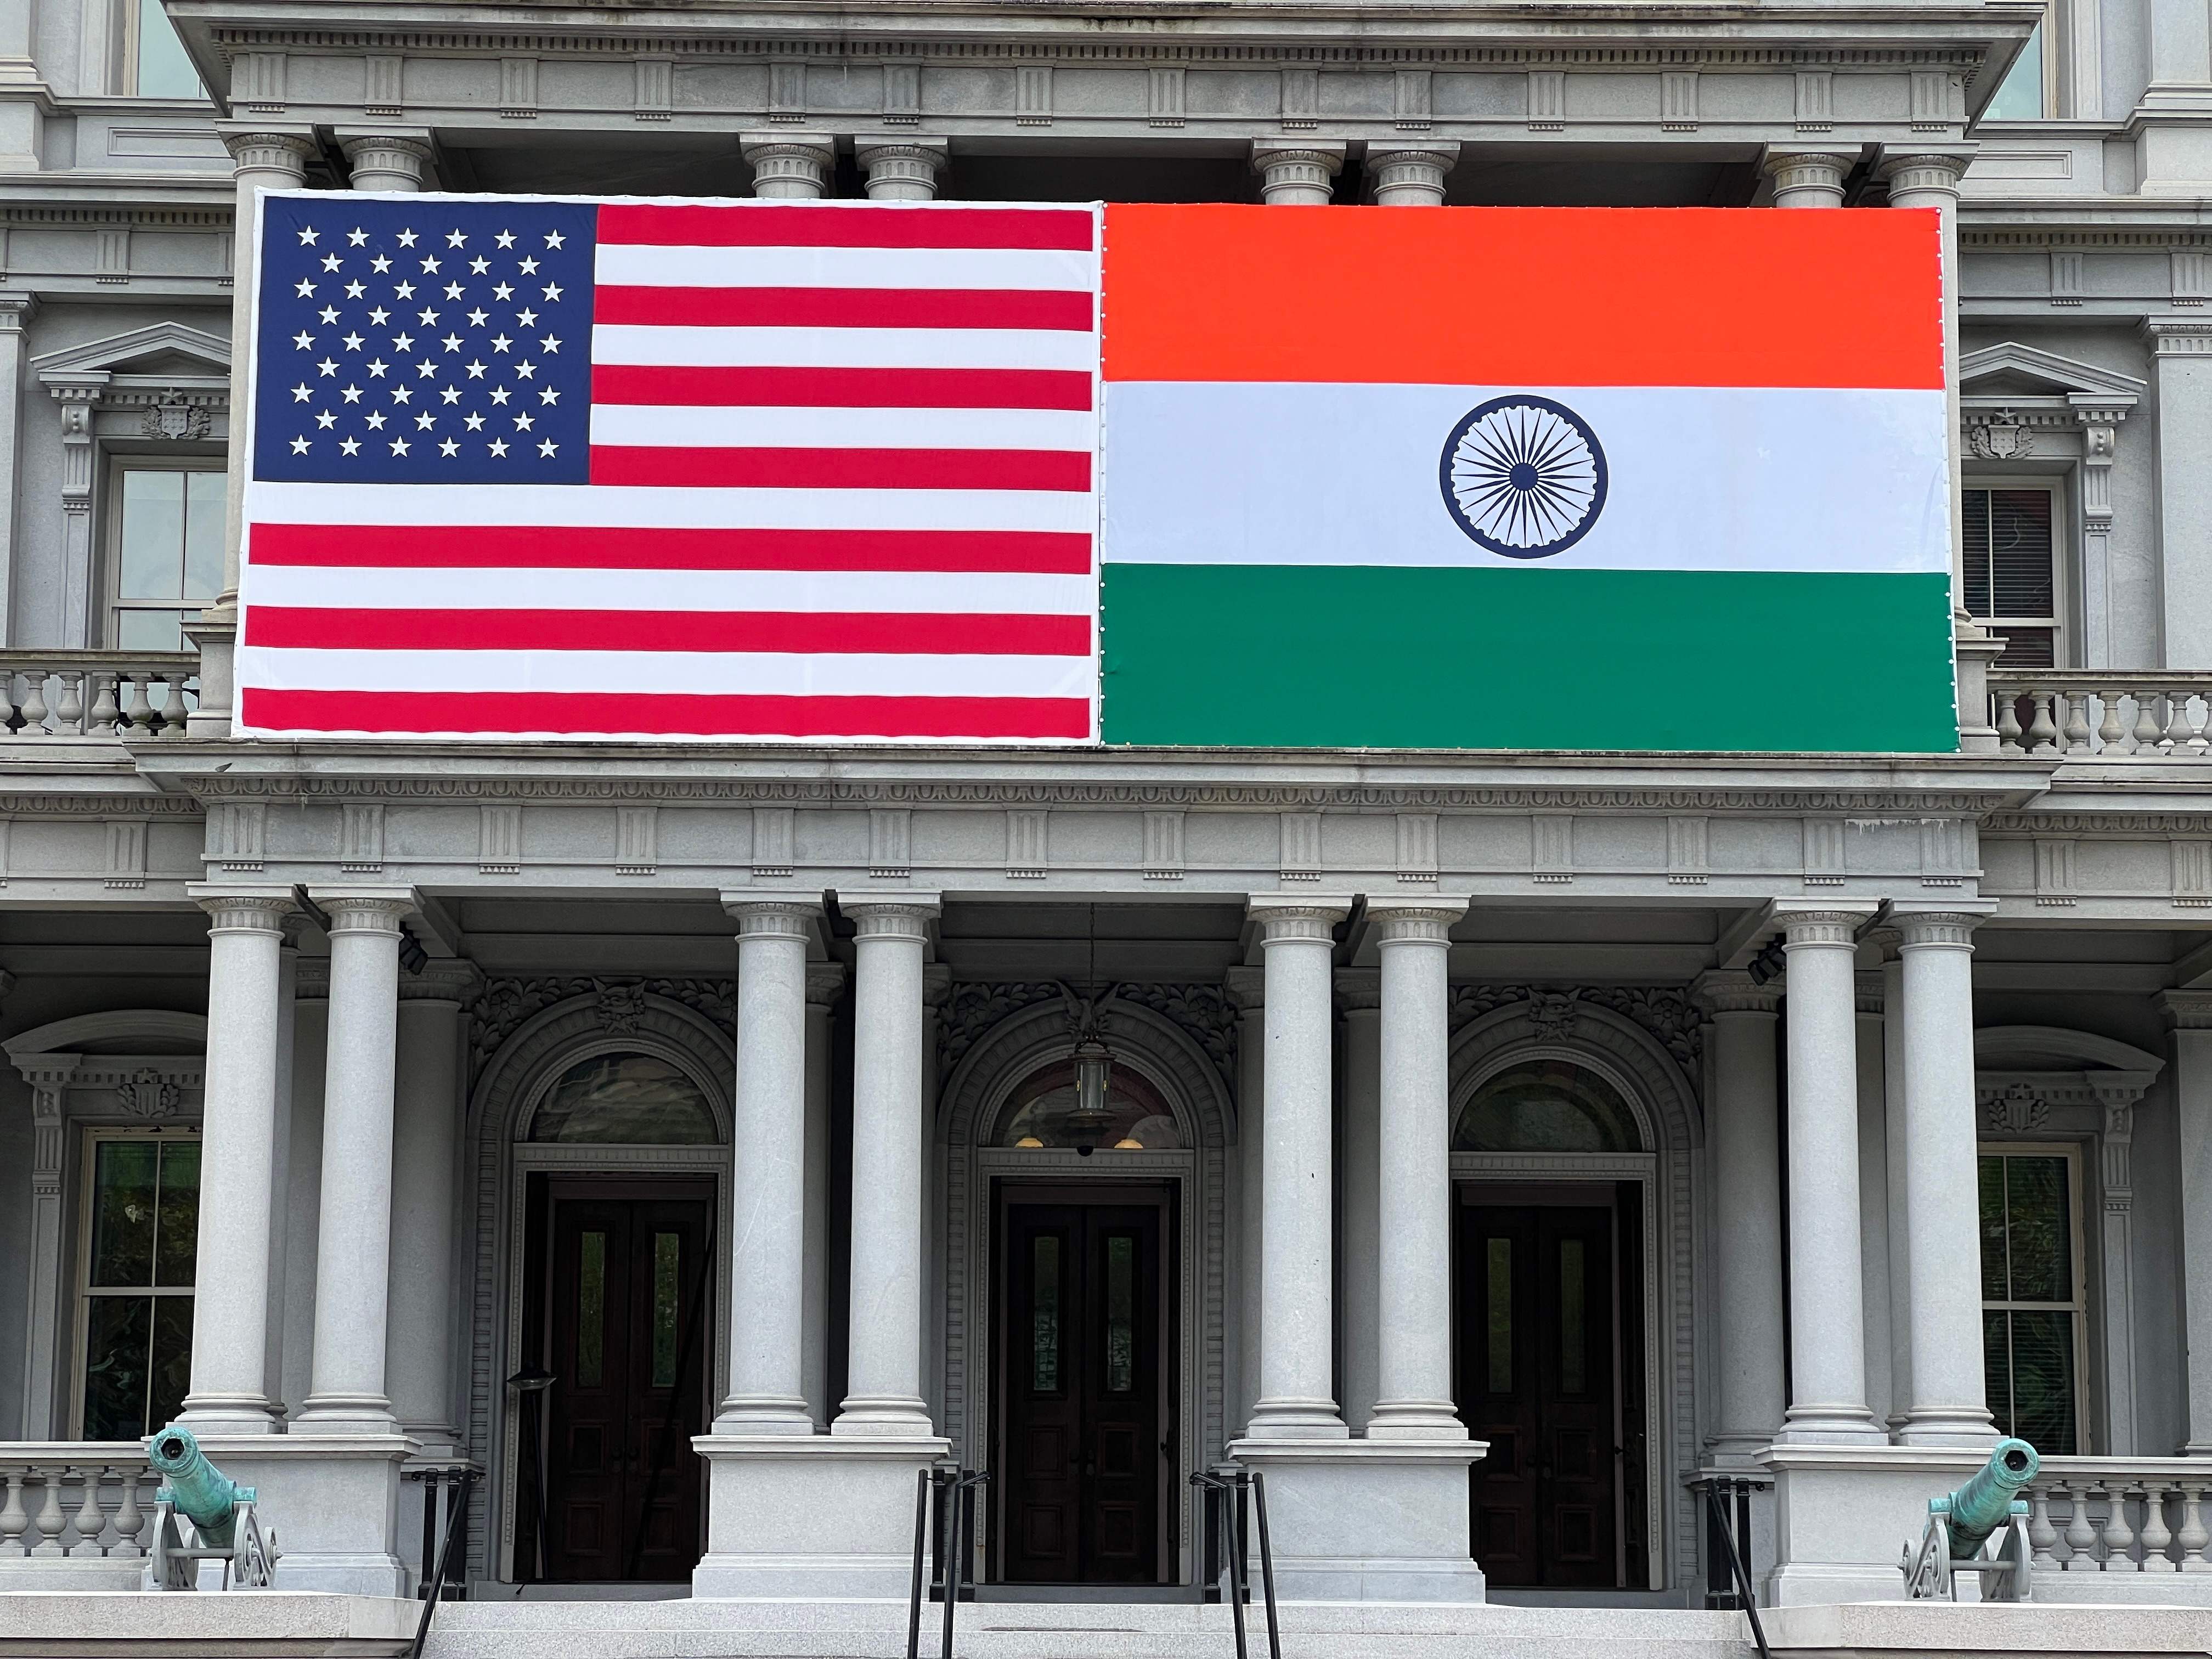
[[750, 427], [640, 266], [905, 592], [705, 672], [1700, 478], [844, 348], [607, 506]]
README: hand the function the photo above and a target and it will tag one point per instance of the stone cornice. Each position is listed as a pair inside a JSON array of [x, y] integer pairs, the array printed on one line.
[[2130, 825]]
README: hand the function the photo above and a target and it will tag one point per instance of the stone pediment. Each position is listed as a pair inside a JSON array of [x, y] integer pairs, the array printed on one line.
[[170, 354], [2012, 373]]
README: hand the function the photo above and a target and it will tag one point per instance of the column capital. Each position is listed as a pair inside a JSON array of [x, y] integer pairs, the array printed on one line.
[[1732, 991], [15, 310], [1412, 921], [452, 981], [2186, 1011], [892, 916], [1288, 917], [1807, 175], [1296, 174], [1822, 923], [364, 910], [255, 146], [901, 169], [789, 165], [257, 909], [386, 161], [1410, 175], [1867, 991], [772, 917], [824, 981], [1924, 166], [2172, 338], [1246, 987], [1942, 929], [1359, 990]]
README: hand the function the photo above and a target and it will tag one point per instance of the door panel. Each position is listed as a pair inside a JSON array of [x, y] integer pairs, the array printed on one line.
[[1080, 1364], [1536, 1379], [629, 1343]]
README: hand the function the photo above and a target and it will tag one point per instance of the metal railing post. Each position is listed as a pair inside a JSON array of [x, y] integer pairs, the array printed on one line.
[[1266, 1564], [922, 1483]]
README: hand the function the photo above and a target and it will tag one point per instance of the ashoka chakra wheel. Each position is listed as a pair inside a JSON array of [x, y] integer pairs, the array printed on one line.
[[1523, 475]]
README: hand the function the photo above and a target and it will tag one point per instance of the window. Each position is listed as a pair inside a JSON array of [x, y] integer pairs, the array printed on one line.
[[624, 1099], [2012, 585], [168, 553], [2021, 97], [2032, 1295], [1547, 1106], [1046, 1111], [135, 1291], [160, 69]]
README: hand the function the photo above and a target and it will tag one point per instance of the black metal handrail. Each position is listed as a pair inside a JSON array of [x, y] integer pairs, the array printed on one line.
[[434, 1590], [942, 1528], [1228, 1546], [1724, 1522]]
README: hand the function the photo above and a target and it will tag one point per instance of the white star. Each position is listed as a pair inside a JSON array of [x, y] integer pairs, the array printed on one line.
[[303, 340], [426, 370], [498, 446], [448, 448], [525, 371], [375, 422], [548, 345], [306, 289], [552, 290], [454, 239], [326, 420], [430, 263], [407, 239], [426, 420], [351, 446], [300, 392], [405, 290], [402, 343], [380, 263], [452, 394], [526, 317], [523, 422], [357, 237], [299, 446], [427, 316], [500, 343], [554, 239], [351, 341], [529, 267], [548, 447], [499, 394], [479, 265], [453, 290], [400, 394], [505, 239], [476, 371], [378, 367], [328, 313], [548, 395], [502, 292], [351, 394], [479, 319], [326, 368], [330, 262], [379, 317], [355, 290], [307, 237], [399, 446], [474, 422], [452, 342]]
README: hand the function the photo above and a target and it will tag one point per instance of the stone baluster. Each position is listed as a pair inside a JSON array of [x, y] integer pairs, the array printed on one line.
[[2042, 730], [129, 1519], [137, 713], [104, 711], [2112, 735], [2081, 1535], [2180, 736], [2156, 1538], [2148, 729], [2008, 712], [2193, 1537], [51, 1519], [2077, 721], [2041, 1534], [90, 1521], [34, 703], [69, 714], [15, 1519], [173, 712], [2117, 1537]]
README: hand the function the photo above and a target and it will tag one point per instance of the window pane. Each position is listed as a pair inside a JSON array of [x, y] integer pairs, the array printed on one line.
[[1121, 1313], [204, 515], [1499, 1262], [116, 1332], [592, 1310], [122, 1189], [152, 566], [164, 71], [1546, 1106], [1044, 1313], [2028, 648], [149, 630], [2043, 1381], [1975, 515], [2021, 97], [632, 1098], [1993, 1229], [172, 1360], [2020, 553], [2041, 1245], [1996, 1367], [177, 1222], [667, 1294], [1574, 1319]]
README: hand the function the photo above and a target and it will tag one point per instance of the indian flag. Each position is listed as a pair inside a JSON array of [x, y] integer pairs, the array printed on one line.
[[1525, 478]]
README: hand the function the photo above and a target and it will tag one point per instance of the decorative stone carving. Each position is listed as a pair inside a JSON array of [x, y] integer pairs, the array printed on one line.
[[1552, 1012], [149, 1095], [2018, 1110], [2003, 440], [505, 1004], [1663, 1010], [973, 1008], [176, 421], [621, 1006], [1200, 1010]]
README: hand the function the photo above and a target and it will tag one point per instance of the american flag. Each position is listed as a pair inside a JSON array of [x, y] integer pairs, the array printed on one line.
[[649, 470]]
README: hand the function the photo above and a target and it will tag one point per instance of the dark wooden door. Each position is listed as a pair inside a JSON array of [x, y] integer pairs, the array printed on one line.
[[1536, 1380], [1084, 1454], [630, 1339]]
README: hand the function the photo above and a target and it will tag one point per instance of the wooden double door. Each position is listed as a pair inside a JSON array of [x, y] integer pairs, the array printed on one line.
[[629, 1336], [1086, 1441], [1549, 1370]]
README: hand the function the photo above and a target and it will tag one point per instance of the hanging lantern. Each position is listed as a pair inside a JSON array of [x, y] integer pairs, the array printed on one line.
[[1094, 1071]]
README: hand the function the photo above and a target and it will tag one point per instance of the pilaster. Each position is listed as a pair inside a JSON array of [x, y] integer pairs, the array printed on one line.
[[16, 311], [2181, 376]]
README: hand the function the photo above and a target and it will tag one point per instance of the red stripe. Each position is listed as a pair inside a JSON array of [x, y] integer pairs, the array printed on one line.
[[841, 468], [480, 547], [844, 307], [308, 628], [747, 226], [572, 714], [843, 388]]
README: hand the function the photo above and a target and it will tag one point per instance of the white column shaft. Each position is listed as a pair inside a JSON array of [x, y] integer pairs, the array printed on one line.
[[1950, 1405], [230, 1314], [353, 1248], [425, 1153], [280, 1175], [1416, 1301], [884, 1349], [1746, 1168], [1875, 1079], [768, 1222], [1895, 1140]]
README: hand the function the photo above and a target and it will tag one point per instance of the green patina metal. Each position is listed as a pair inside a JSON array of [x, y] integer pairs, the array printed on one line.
[[1980, 1507], [199, 1491]]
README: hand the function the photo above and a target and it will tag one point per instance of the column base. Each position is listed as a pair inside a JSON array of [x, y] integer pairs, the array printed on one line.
[[1296, 1420], [346, 1414], [1821, 1425], [334, 1501], [883, 1418], [1739, 1449], [741, 1417], [228, 1414], [1842, 1513], [1366, 1520], [815, 1518], [1415, 1420], [1965, 1429]]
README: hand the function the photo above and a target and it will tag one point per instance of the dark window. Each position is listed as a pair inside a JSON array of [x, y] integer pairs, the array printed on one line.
[[2010, 568]]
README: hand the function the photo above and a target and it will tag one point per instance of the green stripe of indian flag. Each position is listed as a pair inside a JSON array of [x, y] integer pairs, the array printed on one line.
[[1352, 656], [1700, 477]]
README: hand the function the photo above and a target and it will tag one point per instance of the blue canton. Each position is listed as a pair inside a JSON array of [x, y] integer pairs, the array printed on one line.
[[436, 340]]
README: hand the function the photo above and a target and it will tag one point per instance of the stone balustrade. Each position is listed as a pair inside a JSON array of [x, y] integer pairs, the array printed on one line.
[[62, 694], [69, 1504], [2110, 714], [2128, 1515]]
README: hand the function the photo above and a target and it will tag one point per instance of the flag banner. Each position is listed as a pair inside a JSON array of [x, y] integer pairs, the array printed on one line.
[[1610, 479]]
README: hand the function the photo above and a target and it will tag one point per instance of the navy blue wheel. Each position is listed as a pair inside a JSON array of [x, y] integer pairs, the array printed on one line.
[[1523, 475]]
